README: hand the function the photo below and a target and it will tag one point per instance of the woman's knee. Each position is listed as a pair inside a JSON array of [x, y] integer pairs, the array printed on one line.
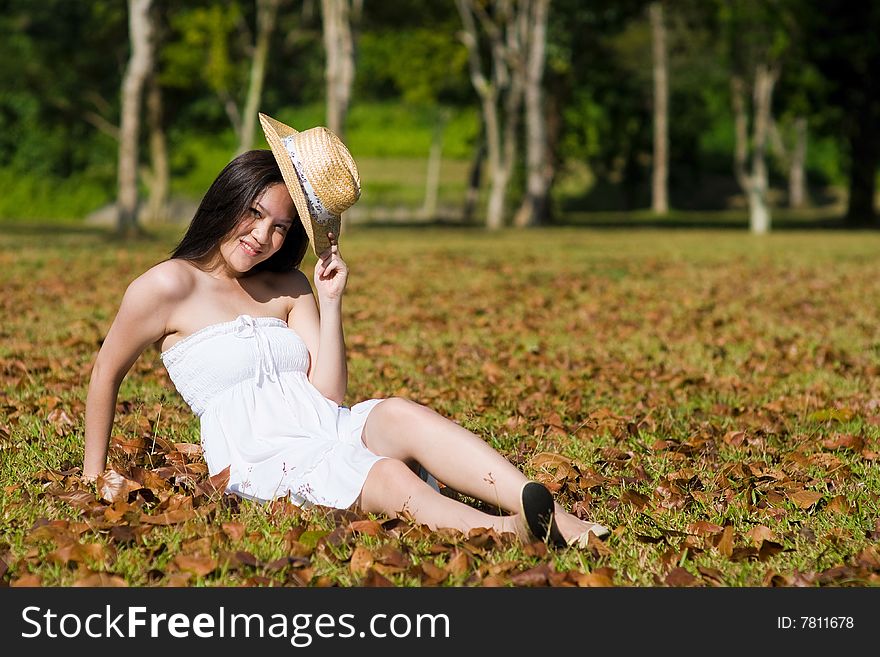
[[399, 409], [389, 481], [390, 426]]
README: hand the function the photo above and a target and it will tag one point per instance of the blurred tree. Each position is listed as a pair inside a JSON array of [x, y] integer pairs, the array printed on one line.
[[424, 67], [598, 95], [841, 41], [59, 83], [214, 44], [141, 21], [503, 26], [340, 19], [660, 161], [535, 207], [267, 11], [758, 41]]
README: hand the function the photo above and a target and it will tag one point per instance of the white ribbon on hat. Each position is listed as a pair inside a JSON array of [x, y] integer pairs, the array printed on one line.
[[316, 208]]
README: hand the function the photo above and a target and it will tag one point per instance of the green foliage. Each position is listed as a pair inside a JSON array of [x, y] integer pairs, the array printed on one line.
[[422, 66], [200, 49], [63, 62], [40, 199]]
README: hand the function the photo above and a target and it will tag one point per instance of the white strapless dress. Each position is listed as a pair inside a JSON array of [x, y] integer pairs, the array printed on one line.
[[259, 413]]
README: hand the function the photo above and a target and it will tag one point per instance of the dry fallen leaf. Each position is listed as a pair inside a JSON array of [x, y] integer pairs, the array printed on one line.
[[804, 499], [115, 487]]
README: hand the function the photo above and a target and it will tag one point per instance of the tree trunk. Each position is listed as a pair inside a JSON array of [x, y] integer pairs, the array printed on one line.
[[864, 141], [793, 161], [140, 64], [432, 177], [498, 180], [339, 48], [754, 183], [660, 173], [506, 27], [267, 10], [797, 180], [765, 79], [159, 178], [472, 195], [535, 207]]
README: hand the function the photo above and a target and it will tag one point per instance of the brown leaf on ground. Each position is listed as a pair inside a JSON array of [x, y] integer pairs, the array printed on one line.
[[599, 577], [679, 576], [734, 438], [840, 505], [115, 487], [374, 579], [233, 530], [804, 499], [115, 512], [99, 579], [191, 450], [759, 534], [130, 445], [79, 499], [197, 565], [597, 546], [169, 517], [361, 561], [638, 500], [704, 528], [53, 530], [391, 557], [769, 549], [432, 575], [725, 543], [459, 564], [368, 527], [536, 576], [60, 421], [66, 553], [712, 576], [27, 580], [844, 441], [149, 479]]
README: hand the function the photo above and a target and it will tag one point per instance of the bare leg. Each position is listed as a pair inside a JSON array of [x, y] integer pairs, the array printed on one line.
[[407, 431], [392, 488]]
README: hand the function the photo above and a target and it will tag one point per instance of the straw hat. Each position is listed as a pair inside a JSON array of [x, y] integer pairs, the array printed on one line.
[[320, 175]]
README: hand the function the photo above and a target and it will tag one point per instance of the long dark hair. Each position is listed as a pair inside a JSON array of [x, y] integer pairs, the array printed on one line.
[[227, 201]]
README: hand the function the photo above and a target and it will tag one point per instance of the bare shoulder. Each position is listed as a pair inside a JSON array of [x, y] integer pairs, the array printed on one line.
[[170, 280]]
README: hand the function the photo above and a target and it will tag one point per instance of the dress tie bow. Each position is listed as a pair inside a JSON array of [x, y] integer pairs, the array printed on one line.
[[247, 327]]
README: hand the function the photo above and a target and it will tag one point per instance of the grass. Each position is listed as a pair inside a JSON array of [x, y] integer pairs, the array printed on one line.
[[710, 396]]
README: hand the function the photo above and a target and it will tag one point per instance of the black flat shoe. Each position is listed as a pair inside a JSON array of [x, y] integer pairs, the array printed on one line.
[[536, 504]]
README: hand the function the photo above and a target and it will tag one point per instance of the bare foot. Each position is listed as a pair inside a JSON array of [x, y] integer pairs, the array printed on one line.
[[573, 528]]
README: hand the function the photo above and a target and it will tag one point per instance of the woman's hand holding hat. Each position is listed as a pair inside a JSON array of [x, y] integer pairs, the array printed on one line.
[[331, 272]]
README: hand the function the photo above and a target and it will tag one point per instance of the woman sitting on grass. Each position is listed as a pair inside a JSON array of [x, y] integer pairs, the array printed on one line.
[[245, 345]]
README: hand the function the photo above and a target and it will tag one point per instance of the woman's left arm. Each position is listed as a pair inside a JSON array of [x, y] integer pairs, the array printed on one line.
[[323, 332]]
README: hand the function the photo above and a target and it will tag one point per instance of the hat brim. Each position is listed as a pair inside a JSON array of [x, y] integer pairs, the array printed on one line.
[[275, 132]]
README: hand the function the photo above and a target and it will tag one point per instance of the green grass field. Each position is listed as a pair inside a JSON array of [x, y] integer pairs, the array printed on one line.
[[710, 396]]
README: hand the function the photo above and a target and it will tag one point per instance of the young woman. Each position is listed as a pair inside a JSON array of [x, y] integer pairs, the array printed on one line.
[[244, 343]]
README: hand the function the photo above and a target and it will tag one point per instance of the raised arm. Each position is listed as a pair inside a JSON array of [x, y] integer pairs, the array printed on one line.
[[140, 321], [322, 332]]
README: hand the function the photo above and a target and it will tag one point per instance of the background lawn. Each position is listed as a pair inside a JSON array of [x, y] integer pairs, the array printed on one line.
[[710, 396]]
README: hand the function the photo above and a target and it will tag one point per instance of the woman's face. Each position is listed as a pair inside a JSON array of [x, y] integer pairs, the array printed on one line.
[[261, 232]]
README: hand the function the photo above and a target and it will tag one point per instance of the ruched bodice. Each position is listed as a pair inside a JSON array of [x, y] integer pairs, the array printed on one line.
[[221, 356], [247, 380]]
